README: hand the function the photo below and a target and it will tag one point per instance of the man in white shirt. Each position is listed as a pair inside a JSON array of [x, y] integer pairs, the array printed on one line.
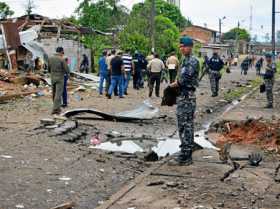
[[156, 66]]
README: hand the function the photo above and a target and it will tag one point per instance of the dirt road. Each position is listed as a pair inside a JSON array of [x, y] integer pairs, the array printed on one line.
[[38, 171]]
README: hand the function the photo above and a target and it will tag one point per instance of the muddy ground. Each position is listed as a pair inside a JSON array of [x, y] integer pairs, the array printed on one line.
[[45, 171]]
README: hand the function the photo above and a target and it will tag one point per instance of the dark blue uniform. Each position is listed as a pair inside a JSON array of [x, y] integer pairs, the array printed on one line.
[[215, 65], [186, 102]]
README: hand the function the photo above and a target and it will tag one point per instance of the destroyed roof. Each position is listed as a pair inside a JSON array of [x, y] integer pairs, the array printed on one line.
[[49, 25]]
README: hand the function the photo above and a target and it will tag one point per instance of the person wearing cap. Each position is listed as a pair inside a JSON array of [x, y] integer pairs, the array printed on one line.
[[268, 77], [215, 65], [58, 68], [187, 83]]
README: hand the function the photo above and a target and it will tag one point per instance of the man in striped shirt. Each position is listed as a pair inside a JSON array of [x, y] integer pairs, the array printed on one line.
[[128, 67]]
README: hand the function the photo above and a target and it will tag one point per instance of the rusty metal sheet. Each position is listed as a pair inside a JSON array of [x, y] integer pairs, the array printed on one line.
[[12, 35]]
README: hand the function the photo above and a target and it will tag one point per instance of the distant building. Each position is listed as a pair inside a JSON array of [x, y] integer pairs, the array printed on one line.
[[175, 2], [224, 50], [201, 34]]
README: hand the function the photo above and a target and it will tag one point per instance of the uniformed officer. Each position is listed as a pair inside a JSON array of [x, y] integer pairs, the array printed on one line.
[[259, 66], [245, 66], [187, 82], [268, 76], [215, 65], [58, 68]]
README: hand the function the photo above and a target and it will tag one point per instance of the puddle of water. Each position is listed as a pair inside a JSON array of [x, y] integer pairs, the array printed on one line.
[[164, 146], [122, 146]]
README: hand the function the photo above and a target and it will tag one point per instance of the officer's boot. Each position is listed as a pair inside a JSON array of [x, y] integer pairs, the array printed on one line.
[[269, 106], [185, 157]]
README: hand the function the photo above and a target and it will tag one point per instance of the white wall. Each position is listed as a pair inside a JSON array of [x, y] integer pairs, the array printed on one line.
[[73, 51]]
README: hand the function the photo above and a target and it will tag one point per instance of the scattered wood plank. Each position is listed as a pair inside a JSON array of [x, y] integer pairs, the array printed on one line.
[[171, 175], [68, 205]]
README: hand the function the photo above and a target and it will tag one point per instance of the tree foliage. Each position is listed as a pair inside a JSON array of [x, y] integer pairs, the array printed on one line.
[[164, 9], [241, 34], [5, 11], [102, 14], [137, 33]]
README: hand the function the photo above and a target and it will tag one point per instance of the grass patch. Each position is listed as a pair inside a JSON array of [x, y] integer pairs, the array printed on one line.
[[240, 91]]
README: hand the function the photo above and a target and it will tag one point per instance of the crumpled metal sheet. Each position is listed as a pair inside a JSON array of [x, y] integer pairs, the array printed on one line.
[[25, 37], [144, 112], [36, 49]]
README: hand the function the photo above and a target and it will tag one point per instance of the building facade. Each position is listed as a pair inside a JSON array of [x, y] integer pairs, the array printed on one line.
[[175, 2], [201, 34]]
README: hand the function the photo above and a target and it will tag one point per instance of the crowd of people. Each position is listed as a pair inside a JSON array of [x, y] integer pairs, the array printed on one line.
[[118, 68]]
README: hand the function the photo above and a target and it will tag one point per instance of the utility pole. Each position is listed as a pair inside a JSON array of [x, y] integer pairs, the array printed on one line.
[[220, 27], [153, 14], [273, 29]]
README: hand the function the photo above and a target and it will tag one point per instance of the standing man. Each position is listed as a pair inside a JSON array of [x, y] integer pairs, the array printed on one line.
[[64, 94], [215, 65], [268, 76], [85, 64], [259, 66], [117, 75], [58, 68], [172, 64], [128, 67], [140, 64], [156, 66], [103, 72], [245, 66], [186, 101], [108, 62]]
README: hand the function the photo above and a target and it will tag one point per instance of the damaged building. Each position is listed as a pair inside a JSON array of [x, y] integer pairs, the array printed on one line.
[[41, 35]]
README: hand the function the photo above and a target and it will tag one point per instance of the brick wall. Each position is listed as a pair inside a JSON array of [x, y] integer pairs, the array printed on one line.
[[199, 34]]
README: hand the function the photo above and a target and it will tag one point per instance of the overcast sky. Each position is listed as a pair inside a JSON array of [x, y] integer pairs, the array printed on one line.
[[199, 11]]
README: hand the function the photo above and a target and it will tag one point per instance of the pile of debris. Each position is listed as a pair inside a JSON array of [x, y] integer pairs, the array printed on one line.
[[19, 85], [262, 133]]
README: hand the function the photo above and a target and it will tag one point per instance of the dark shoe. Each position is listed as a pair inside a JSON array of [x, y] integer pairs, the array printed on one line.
[[270, 106], [100, 94], [122, 97], [125, 93], [56, 112], [109, 97], [185, 158], [64, 105], [214, 95]]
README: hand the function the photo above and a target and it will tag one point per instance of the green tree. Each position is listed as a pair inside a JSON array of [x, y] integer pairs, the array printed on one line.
[[267, 37], [162, 8], [5, 11], [167, 35], [278, 36], [241, 34], [136, 36], [104, 15]]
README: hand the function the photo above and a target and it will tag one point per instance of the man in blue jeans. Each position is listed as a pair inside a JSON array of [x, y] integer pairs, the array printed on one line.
[[127, 62], [117, 72], [103, 71]]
